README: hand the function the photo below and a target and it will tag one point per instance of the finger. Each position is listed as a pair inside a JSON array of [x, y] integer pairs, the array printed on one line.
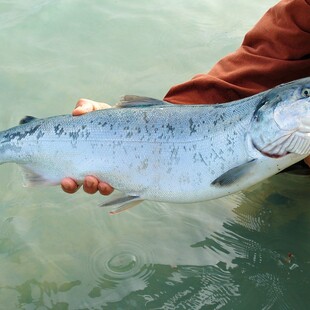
[[83, 106], [307, 161], [90, 184], [69, 186], [105, 188]]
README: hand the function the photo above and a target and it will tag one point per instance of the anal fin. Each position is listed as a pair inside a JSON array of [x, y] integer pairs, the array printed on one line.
[[122, 203]]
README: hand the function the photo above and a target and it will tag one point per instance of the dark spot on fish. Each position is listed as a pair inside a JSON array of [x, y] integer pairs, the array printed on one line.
[[129, 134], [138, 129], [40, 134], [192, 126], [145, 117], [74, 135], [58, 130], [143, 165], [170, 128], [103, 124], [174, 155], [202, 159], [20, 135], [169, 170]]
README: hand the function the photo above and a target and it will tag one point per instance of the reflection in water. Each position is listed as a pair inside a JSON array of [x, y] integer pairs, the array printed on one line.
[[209, 286], [41, 294], [246, 250], [270, 265]]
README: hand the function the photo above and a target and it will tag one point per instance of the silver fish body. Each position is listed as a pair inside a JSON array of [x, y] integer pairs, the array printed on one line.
[[149, 149]]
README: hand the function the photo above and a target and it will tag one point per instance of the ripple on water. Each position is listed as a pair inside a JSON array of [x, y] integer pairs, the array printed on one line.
[[118, 270], [120, 262], [214, 289]]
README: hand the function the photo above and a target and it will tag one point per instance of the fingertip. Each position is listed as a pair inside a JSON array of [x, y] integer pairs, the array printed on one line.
[[105, 189], [83, 106], [69, 186], [90, 185], [78, 111]]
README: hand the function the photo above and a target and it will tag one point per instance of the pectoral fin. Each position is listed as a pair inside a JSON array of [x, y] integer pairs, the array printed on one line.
[[235, 174], [122, 203]]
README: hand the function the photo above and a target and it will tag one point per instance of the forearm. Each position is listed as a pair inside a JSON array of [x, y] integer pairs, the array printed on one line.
[[275, 51]]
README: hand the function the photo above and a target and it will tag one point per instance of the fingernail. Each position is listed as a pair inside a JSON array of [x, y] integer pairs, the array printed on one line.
[[89, 183]]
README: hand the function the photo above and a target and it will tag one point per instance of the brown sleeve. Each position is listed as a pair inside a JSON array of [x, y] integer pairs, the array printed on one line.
[[275, 51]]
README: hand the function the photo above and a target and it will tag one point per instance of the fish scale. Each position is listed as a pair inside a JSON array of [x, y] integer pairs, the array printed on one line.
[[150, 149]]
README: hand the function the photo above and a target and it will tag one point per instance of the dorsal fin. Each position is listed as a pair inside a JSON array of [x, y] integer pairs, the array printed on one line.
[[27, 119], [131, 101]]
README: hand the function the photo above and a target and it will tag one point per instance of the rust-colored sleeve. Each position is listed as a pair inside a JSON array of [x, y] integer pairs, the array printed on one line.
[[275, 51]]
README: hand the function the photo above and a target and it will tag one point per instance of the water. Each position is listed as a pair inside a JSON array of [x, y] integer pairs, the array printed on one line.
[[58, 251]]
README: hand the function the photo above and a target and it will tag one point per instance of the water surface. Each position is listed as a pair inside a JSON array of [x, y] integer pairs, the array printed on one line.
[[249, 250]]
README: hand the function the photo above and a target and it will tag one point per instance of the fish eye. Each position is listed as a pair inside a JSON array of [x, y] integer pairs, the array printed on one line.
[[305, 92]]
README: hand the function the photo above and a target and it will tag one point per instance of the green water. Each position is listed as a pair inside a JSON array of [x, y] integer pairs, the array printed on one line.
[[63, 252]]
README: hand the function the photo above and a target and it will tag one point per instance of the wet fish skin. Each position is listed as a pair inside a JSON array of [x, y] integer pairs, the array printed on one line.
[[150, 149]]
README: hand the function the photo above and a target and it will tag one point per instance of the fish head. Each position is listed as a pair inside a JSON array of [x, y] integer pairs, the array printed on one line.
[[281, 122], [293, 114]]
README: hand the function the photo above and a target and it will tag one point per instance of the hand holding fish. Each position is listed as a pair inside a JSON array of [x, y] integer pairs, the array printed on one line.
[[85, 105], [91, 184]]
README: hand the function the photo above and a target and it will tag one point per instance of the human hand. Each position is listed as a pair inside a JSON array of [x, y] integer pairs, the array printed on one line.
[[91, 184], [307, 161], [84, 106]]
